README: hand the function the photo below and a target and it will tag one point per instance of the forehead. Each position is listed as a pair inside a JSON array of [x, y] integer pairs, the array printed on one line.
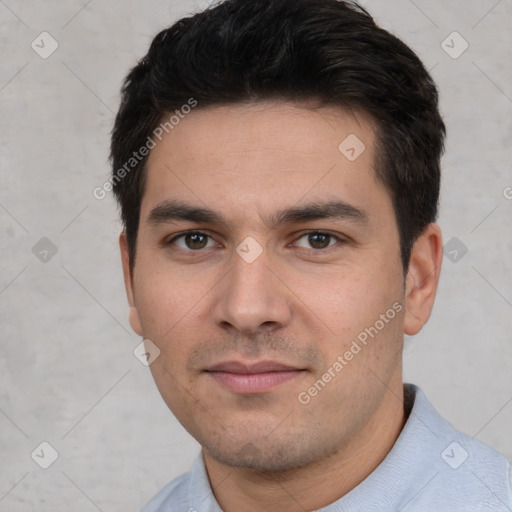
[[245, 129], [267, 155]]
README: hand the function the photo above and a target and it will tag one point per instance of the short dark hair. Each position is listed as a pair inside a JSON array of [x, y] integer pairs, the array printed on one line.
[[332, 51]]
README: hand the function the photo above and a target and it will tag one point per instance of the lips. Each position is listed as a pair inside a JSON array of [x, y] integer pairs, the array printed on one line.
[[252, 378], [250, 368]]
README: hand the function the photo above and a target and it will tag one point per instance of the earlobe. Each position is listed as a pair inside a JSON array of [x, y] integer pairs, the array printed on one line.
[[128, 283], [135, 321], [422, 278]]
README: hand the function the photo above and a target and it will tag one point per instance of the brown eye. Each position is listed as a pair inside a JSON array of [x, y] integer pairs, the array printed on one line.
[[318, 240], [196, 240], [192, 241]]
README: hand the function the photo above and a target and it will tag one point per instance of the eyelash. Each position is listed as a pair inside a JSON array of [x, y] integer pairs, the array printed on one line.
[[313, 232]]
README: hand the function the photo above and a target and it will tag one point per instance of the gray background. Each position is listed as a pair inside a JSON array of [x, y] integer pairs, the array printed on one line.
[[68, 375]]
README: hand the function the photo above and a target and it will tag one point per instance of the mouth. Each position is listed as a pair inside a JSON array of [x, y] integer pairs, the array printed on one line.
[[252, 378]]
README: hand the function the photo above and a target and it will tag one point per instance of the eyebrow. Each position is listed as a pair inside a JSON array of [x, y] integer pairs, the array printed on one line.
[[174, 210]]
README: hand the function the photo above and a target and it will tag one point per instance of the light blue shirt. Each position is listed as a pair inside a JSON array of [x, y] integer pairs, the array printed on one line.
[[431, 467]]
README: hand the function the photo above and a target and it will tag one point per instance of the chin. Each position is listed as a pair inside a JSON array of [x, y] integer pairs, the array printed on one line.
[[267, 456]]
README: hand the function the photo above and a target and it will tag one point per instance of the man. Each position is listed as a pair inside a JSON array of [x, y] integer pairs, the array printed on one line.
[[277, 165]]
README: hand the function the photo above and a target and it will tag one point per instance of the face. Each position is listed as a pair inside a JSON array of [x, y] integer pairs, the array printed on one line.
[[268, 274]]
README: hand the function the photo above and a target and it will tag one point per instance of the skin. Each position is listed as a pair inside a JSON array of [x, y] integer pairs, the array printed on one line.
[[301, 302]]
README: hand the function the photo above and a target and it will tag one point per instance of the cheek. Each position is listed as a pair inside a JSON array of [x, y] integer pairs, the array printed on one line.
[[347, 302], [174, 387], [161, 294], [166, 310], [166, 305]]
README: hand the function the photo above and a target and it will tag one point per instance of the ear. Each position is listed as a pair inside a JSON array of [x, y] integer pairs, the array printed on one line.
[[422, 278], [128, 283]]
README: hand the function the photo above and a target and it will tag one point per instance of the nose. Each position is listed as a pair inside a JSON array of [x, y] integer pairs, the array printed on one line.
[[252, 298]]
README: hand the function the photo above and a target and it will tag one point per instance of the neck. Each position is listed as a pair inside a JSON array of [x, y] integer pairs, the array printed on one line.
[[316, 485]]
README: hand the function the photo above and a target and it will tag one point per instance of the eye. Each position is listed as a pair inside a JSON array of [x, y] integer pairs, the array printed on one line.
[[192, 241], [319, 240]]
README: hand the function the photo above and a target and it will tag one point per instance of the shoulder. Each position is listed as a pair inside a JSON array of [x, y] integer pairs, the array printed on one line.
[[466, 474], [185, 490], [471, 476], [172, 497]]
